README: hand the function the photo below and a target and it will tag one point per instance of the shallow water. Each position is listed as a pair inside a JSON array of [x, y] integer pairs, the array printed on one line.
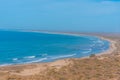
[[28, 47]]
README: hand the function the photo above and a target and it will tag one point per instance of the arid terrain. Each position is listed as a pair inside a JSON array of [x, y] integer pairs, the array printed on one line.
[[95, 67]]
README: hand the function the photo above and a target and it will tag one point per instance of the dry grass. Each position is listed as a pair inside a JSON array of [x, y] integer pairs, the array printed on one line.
[[85, 69]]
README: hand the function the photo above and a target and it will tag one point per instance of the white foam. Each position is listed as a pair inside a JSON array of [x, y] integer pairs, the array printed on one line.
[[39, 60], [64, 56], [15, 59], [101, 42], [98, 42], [30, 57], [87, 51], [5, 64]]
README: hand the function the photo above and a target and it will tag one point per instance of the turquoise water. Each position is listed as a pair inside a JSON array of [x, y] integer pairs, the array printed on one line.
[[28, 47]]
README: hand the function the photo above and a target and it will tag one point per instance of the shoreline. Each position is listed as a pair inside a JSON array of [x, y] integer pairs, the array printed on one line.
[[35, 68], [109, 50], [112, 43], [112, 46]]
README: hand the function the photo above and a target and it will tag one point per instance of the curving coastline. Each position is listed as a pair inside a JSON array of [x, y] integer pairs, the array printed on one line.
[[36, 68], [112, 42], [112, 46], [108, 51], [95, 46]]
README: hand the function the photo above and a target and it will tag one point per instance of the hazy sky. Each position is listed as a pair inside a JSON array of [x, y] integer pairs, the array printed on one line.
[[67, 15]]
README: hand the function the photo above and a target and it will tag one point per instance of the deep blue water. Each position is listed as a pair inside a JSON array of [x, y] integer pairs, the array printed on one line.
[[28, 47]]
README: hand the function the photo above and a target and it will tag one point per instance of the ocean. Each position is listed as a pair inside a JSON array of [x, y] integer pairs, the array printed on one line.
[[17, 47]]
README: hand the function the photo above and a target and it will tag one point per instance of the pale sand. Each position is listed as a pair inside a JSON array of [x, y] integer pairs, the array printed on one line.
[[41, 67], [35, 68]]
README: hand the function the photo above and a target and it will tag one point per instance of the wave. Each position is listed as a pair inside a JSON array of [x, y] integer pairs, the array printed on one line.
[[64, 56], [101, 42], [30, 57], [87, 51], [15, 59], [98, 43], [38, 60], [5, 65]]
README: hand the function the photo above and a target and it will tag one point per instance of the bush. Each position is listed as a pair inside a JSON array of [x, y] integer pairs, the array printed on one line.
[[92, 55]]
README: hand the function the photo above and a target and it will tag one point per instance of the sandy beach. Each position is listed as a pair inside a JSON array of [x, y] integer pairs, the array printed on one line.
[[40, 71]]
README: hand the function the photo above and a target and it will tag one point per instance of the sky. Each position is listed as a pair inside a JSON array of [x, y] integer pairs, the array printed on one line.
[[61, 15]]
